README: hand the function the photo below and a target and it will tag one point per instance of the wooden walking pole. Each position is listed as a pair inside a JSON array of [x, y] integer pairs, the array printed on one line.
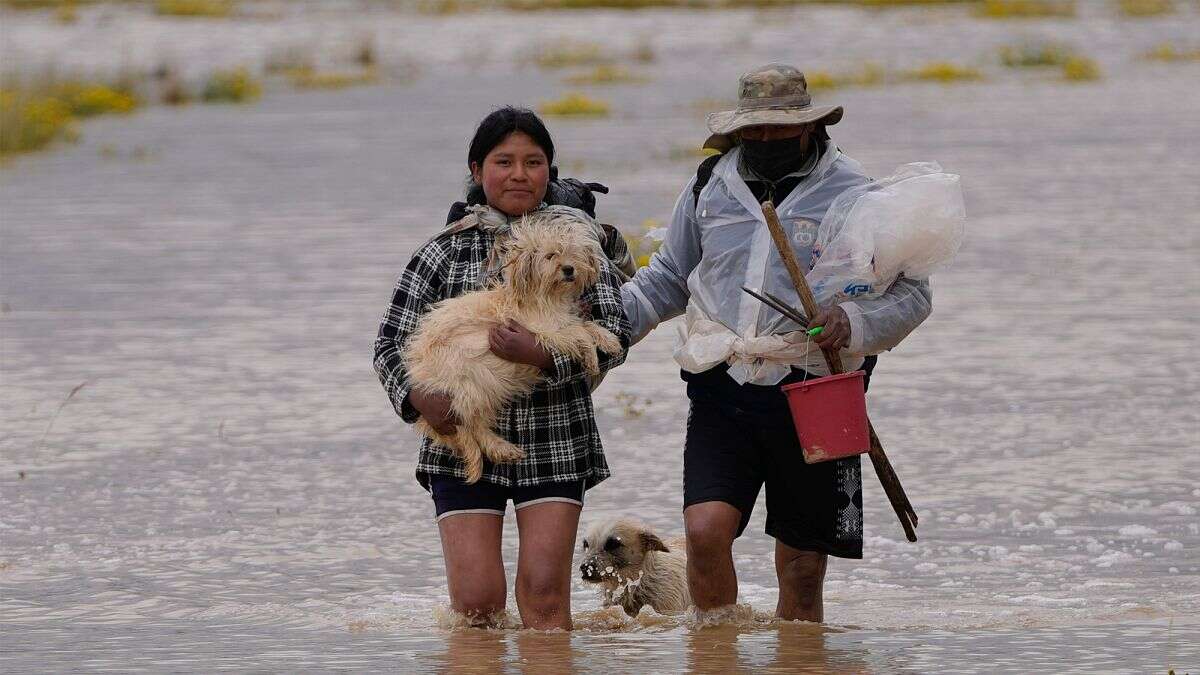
[[883, 468]]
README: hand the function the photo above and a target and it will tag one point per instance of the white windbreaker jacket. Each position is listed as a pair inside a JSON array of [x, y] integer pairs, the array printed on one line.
[[721, 243]]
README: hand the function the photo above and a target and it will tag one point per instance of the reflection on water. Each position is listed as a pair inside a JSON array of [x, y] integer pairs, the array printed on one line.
[[232, 491]]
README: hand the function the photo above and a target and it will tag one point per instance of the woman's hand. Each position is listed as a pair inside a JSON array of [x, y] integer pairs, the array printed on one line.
[[435, 410], [836, 333], [513, 342]]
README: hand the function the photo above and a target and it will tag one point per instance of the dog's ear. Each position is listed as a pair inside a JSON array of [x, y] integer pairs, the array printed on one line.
[[651, 542], [520, 271]]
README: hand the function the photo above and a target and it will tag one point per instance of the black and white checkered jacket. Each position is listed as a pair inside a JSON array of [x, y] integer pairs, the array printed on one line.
[[555, 423]]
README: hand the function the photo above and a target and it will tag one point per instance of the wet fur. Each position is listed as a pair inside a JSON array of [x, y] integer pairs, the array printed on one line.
[[449, 354], [645, 570]]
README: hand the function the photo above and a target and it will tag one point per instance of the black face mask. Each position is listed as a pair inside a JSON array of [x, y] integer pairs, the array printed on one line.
[[775, 159]]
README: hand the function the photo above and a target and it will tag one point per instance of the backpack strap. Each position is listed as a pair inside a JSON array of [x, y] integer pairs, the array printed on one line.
[[703, 175]]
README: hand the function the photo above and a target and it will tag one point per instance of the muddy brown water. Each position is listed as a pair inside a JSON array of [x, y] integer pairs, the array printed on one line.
[[231, 490]]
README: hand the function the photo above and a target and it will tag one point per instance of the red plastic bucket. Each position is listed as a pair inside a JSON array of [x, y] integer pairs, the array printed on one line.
[[830, 414]]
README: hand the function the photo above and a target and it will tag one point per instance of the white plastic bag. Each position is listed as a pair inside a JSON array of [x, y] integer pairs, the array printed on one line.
[[910, 223]]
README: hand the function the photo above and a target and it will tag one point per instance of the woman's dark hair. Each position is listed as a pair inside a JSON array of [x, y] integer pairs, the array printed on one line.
[[492, 131], [499, 124]]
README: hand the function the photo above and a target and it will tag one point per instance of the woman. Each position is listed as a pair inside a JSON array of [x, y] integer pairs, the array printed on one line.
[[510, 161]]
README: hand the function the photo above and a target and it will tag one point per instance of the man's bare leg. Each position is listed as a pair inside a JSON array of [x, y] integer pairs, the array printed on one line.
[[711, 528], [801, 582]]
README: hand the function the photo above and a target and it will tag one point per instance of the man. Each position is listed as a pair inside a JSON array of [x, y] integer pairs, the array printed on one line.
[[736, 351]]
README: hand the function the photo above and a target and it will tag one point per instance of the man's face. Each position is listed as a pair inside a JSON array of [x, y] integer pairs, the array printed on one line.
[[774, 132]]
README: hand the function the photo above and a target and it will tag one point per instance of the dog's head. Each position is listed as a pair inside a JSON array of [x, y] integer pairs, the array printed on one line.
[[615, 550], [551, 255]]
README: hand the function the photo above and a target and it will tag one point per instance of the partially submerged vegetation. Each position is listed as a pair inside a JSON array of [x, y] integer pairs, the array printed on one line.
[[1034, 55], [604, 73], [867, 75], [1145, 8], [644, 243], [567, 54], [1080, 69], [310, 78], [209, 9], [871, 75], [1169, 53], [1025, 9], [574, 104], [944, 72], [231, 86], [34, 115]]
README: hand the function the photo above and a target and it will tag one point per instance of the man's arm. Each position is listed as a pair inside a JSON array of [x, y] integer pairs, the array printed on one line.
[[880, 324], [659, 291]]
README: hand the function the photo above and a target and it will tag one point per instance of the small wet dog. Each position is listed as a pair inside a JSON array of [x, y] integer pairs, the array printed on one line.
[[634, 567], [548, 263]]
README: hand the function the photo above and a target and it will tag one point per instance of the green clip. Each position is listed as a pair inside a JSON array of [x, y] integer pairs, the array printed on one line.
[[814, 332]]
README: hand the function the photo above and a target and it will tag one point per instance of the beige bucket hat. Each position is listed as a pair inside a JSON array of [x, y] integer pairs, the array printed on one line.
[[771, 94]]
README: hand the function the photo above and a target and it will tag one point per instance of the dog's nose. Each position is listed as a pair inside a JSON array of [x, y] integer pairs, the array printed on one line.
[[588, 571], [568, 271]]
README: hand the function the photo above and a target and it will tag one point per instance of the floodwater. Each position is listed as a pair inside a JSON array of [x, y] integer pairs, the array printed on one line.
[[230, 489]]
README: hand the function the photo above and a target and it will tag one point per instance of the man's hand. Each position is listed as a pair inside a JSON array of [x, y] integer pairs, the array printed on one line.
[[836, 334], [513, 342], [435, 410]]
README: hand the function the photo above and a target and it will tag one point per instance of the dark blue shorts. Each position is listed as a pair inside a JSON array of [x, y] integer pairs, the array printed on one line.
[[452, 496]]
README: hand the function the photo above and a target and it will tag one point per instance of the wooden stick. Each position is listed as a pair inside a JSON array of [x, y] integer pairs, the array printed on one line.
[[883, 467]]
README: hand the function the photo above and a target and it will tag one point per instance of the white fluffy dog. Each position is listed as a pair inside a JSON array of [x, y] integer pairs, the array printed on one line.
[[550, 260], [634, 567]]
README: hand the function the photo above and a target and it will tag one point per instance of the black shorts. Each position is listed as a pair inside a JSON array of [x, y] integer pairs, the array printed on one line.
[[452, 496], [740, 437]]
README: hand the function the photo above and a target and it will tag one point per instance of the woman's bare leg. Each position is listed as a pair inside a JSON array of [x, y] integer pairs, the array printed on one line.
[[474, 567], [544, 566]]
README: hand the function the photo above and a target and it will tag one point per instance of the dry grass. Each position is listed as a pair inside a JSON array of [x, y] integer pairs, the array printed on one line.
[[1080, 69], [308, 78], [1034, 55], [33, 115], [574, 104], [868, 75], [945, 73], [567, 54], [1025, 9], [204, 9], [689, 152], [644, 243], [1145, 8], [1169, 53], [604, 74], [30, 122], [231, 86], [453, 6]]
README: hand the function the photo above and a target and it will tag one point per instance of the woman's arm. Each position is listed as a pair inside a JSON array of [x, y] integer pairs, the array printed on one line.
[[420, 285]]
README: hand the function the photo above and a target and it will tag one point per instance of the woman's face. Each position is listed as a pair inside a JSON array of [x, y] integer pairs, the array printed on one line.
[[514, 174]]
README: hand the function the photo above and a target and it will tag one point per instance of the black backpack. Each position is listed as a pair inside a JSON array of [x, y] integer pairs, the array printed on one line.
[[576, 194]]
